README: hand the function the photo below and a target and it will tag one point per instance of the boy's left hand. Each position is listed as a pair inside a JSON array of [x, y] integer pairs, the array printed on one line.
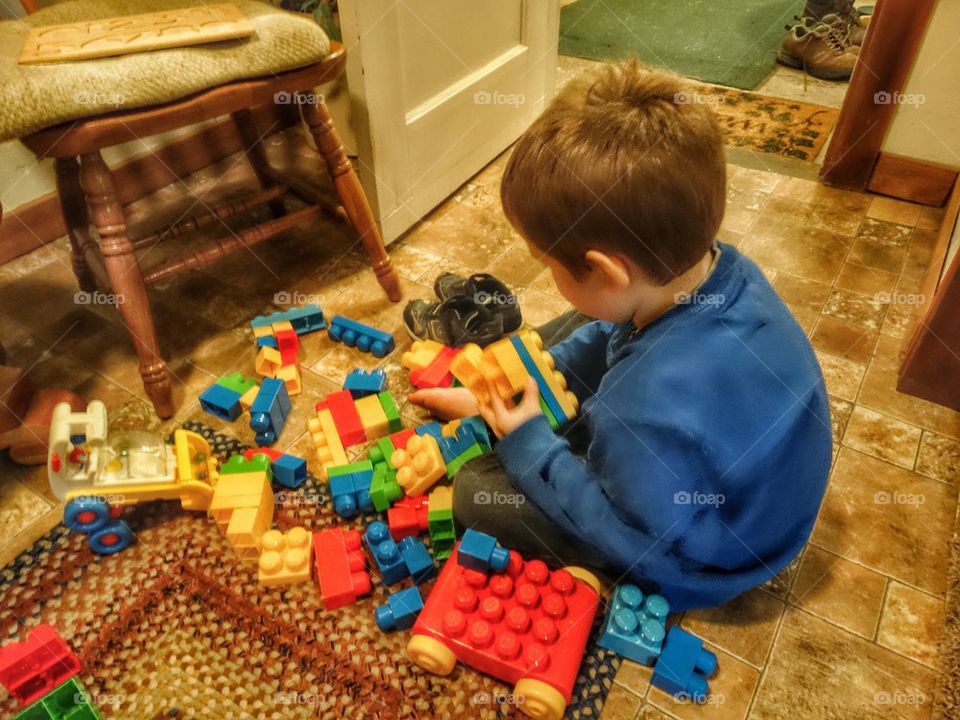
[[504, 421]]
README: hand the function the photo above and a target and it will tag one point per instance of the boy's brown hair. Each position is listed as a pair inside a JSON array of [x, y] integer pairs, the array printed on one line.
[[620, 161]]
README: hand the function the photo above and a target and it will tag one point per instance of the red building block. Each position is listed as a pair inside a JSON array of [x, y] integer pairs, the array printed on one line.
[[437, 373], [345, 417], [269, 452], [408, 516], [399, 439], [527, 626], [289, 345], [31, 669], [341, 567]]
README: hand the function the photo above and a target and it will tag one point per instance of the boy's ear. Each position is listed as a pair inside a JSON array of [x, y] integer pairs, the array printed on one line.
[[613, 268]]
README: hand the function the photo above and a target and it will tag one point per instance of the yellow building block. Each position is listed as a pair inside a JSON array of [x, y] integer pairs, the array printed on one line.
[[290, 374], [246, 400], [467, 368], [285, 557], [246, 527], [326, 441], [450, 429], [241, 490], [263, 331], [504, 370], [420, 355], [267, 362], [281, 326], [420, 465], [440, 499], [556, 383], [372, 416]]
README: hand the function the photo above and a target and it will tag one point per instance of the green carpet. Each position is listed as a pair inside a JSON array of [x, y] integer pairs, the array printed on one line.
[[727, 42]]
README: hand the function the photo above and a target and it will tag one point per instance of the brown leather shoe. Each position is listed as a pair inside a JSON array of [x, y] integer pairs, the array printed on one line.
[[823, 51]]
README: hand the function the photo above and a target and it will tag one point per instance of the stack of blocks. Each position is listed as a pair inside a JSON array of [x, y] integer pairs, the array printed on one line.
[[419, 465], [429, 364], [397, 561], [242, 504], [40, 674], [384, 490], [269, 411], [341, 567], [350, 488], [287, 470], [342, 422], [278, 343], [503, 367], [229, 396], [440, 522], [409, 516], [363, 337], [463, 440], [361, 383]]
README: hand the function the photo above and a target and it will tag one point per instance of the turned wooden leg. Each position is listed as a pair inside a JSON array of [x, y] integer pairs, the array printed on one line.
[[125, 277], [349, 189], [75, 217], [257, 155]]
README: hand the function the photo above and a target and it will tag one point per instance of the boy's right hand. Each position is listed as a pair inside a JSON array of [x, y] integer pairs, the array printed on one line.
[[446, 403]]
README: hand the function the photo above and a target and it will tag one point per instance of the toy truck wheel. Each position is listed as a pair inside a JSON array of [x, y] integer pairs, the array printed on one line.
[[588, 577], [538, 700], [431, 654], [111, 538], [86, 514]]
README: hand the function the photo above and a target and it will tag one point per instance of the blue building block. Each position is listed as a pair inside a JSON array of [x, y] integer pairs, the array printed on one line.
[[221, 402], [361, 383], [431, 428], [267, 341], [454, 447], [635, 626], [385, 552], [350, 488], [269, 411], [290, 471], [400, 610], [478, 428], [684, 666], [304, 320], [545, 394], [354, 334], [479, 551], [417, 558]]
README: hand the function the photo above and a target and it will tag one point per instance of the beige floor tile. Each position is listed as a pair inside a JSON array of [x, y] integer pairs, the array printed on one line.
[[900, 318], [39, 526], [840, 411], [883, 437], [842, 376], [840, 221], [798, 250], [516, 267], [801, 293], [538, 307], [744, 627], [482, 237], [739, 220], [939, 457], [855, 308], [621, 704], [891, 210], [850, 678], [888, 519], [930, 218], [21, 507], [844, 339], [840, 591], [634, 676], [912, 623], [881, 256], [865, 280], [731, 691]]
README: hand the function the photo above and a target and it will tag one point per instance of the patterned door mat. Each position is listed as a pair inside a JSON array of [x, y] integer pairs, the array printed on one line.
[[177, 627]]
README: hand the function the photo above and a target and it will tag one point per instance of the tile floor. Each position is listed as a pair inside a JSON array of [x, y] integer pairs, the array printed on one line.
[[849, 631]]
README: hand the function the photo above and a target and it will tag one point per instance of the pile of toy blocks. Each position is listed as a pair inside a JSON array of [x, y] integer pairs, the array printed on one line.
[[635, 628], [503, 368], [429, 364], [242, 504], [278, 343], [40, 673]]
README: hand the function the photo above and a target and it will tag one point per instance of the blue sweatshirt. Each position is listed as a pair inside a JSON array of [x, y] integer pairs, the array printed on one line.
[[710, 441]]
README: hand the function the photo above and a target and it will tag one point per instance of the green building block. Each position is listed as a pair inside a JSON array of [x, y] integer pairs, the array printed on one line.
[[390, 410], [381, 451], [236, 382], [443, 536], [364, 466], [65, 702], [239, 464], [546, 411], [453, 467], [384, 490]]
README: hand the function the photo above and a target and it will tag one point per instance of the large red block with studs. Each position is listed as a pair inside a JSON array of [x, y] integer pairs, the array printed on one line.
[[31, 669], [341, 567]]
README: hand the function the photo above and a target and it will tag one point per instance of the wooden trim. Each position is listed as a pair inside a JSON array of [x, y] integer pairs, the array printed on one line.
[[931, 364], [886, 58], [39, 222], [910, 179]]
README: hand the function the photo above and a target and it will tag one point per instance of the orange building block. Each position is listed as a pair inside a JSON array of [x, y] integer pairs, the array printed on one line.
[[420, 355], [467, 368], [268, 361], [372, 416], [285, 557], [246, 400], [326, 441], [420, 465], [247, 525], [504, 370], [241, 490], [290, 374]]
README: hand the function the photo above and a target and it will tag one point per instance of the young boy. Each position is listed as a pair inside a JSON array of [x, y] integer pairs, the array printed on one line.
[[706, 419]]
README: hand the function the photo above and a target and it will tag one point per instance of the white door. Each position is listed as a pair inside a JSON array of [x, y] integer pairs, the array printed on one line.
[[438, 89]]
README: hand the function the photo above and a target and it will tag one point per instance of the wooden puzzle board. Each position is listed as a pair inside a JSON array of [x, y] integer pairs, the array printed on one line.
[[135, 33]]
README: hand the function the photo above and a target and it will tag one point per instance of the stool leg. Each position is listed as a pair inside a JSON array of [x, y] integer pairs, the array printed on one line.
[[349, 189], [257, 155], [74, 211], [126, 278]]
